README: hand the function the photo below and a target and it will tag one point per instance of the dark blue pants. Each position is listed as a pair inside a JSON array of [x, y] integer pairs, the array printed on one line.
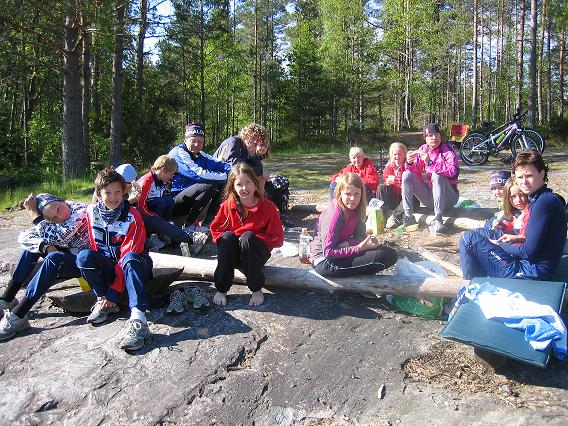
[[479, 257], [98, 270], [163, 206], [246, 253], [157, 225], [58, 264], [192, 200]]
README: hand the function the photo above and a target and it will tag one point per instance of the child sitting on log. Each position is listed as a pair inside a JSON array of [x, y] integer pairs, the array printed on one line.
[[155, 206], [340, 246], [362, 167], [246, 229], [117, 259], [59, 232], [497, 183]]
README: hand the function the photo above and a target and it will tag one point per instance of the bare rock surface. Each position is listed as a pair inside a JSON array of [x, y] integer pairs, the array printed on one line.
[[302, 358]]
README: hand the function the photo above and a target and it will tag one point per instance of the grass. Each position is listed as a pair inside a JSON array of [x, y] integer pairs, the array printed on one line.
[[75, 189]]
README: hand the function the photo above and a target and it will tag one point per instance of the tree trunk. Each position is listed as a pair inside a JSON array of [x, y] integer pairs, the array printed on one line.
[[474, 95], [72, 138], [140, 67], [562, 47], [86, 101], [520, 64], [202, 63], [532, 65], [548, 72], [541, 117], [116, 112]]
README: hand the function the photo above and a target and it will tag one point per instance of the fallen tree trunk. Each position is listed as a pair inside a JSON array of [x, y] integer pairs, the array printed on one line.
[[465, 219], [203, 269]]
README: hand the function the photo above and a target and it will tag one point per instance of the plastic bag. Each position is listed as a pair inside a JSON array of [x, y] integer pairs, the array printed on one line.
[[428, 307], [465, 203]]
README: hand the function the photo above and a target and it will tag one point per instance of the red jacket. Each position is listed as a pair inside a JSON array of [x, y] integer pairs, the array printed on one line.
[[151, 187], [262, 219], [114, 240], [392, 170], [367, 173]]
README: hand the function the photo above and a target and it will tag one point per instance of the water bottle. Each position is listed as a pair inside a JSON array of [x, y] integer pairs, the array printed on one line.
[[304, 246]]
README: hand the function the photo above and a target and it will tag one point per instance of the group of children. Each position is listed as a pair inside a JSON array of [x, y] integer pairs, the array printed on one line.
[[104, 242]]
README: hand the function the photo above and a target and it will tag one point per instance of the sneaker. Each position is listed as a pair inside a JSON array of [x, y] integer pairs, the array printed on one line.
[[98, 314], [155, 242], [4, 305], [12, 324], [134, 336], [197, 296], [439, 226], [409, 223], [178, 302], [394, 220]]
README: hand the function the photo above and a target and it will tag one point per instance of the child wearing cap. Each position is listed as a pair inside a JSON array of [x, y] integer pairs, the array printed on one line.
[[59, 232], [117, 260], [497, 183]]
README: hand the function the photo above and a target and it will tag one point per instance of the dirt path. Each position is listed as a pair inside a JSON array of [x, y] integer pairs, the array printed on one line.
[[302, 358]]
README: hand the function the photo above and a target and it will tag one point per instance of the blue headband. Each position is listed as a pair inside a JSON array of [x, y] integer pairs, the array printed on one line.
[[44, 199]]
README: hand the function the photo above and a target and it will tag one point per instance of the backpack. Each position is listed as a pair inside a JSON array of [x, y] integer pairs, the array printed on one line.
[[277, 190]]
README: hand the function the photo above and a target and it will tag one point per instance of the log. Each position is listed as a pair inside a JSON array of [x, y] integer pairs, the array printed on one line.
[[428, 255], [308, 279], [465, 219]]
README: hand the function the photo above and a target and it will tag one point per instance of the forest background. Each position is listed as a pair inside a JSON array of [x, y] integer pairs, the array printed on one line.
[[109, 81]]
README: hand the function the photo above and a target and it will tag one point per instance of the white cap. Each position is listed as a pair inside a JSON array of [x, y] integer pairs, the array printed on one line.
[[127, 171]]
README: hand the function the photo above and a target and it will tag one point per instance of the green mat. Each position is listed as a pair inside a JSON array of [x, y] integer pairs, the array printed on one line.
[[469, 326]]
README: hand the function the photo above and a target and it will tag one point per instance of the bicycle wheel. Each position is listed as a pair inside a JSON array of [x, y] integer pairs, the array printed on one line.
[[523, 142], [473, 151], [537, 137]]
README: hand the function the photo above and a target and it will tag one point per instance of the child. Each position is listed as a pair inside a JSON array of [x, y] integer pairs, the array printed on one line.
[[60, 231], [362, 167], [390, 191], [131, 190], [246, 229], [438, 190], [515, 214], [156, 207], [117, 259], [340, 246], [497, 183]]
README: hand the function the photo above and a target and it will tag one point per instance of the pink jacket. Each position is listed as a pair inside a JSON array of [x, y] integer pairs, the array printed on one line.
[[443, 161]]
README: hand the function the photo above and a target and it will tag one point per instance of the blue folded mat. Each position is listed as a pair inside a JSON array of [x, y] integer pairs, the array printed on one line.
[[469, 326]]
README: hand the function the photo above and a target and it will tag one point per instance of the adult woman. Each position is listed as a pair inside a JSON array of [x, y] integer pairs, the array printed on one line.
[[539, 255], [200, 178], [439, 188]]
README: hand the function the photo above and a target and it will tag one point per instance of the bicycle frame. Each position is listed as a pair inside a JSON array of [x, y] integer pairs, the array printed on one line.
[[508, 130]]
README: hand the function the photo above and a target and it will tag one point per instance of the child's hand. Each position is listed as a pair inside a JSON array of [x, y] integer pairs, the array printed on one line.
[[424, 156], [107, 304], [136, 187], [30, 204], [390, 180], [369, 243], [410, 156]]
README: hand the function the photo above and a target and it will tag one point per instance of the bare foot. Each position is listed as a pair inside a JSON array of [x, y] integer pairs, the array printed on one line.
[[220, 299], [257, 298]]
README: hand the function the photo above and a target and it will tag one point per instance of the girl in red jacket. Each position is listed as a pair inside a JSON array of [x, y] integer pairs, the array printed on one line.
[[246, 228], [362, 167]]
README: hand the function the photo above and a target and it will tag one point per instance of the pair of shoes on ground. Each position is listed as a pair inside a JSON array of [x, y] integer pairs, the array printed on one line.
[[180, 299], [409, 224], [12, 324], [199, 237], [155, 243], [4, 304], [439, 226], [395, 220]]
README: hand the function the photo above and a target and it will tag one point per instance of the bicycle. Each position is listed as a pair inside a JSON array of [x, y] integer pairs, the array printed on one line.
[[477, 146]]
